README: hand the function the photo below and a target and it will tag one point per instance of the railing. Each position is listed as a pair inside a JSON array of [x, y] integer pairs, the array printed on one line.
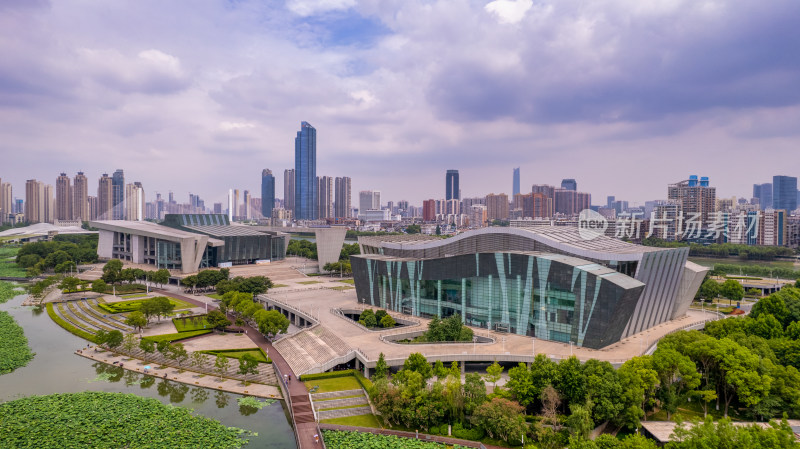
[[405, 327], [412, 334], [691, 326], [308, 315], [288, 395]]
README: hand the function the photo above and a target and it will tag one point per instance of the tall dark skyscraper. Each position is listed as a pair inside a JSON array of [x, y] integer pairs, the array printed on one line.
[[342, 197], [515, 187], [784, 193], [288, 189], [118, 194], [305, 168], [267, 193], [569, 184], [452, 191], [764, 194]]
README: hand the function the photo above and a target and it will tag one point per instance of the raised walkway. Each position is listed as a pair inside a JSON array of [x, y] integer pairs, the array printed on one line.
[[299, 400]]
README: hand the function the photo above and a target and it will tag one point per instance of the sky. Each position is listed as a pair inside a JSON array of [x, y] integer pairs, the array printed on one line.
[[199, 96]]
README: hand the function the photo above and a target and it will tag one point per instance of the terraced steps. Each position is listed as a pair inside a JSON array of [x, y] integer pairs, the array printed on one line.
[[345, 412], [334, 394], [91, 313]]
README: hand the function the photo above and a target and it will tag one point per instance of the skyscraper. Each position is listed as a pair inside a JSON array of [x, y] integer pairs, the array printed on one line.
[[496, 207], [49, 204], [429, 210], [784, 193], [63, 198], [92, 208], [105, 198], [694, 197], [515, 187], [343, 197], [325, 197], [763, 192], [80, 198], [118, 194], [569, 184], [452, 191], [267, 193], [288, 189], [305, 167]]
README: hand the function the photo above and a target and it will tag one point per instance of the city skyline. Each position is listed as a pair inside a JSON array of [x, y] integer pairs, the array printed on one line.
[[148, 101]]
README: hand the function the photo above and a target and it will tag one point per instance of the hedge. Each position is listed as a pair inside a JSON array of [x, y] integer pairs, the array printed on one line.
[[69, 327], [179, 336]]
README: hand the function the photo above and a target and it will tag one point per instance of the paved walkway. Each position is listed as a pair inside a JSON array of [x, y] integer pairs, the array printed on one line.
[[299, 400], [186, 377]]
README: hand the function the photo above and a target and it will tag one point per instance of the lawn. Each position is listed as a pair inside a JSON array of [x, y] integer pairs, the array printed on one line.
[[257, 353], [334, 384], [11, 269], [310, 282], [191, 324], [348, 281], [135, 295], [279, 285], [130, 306], [341, 288], [215, 296], [179, 336], [358, 421]]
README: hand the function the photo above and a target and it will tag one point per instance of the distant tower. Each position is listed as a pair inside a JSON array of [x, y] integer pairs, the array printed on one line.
[[288, 189], [105, 198], [118, 194], [267, 193], [343, 197], [305, 166], [80, 199], [515, 187], [784, 193], [569, 184], [452, 190]]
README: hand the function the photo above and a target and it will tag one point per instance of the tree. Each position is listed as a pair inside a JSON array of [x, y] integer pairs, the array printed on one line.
[[474, 392], [413, 229], [248, 365], [418, 363], [367, 318], [112, 271], [113, 339], [732, 290], [387, 321], [603, 389], [677, 376], [101, 337], [161, 276], [164, 348], [493, 373], [162, 306], [550, 403], [221, 365], [64, 267], [137, 320], [438, 230], [190, 281], [217, 320], [178, 353], [147, 346], [580, 420], [69, 284], [501, 418], [570, 381], [709, 289], [129, 343], [198, 359], [381, 368], [705, 396], [271, 322], [149, 309], [639, 381], [99, 286]]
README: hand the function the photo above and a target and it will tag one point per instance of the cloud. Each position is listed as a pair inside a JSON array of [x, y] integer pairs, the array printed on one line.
[[509, 11], [150, 71], [311, 7]]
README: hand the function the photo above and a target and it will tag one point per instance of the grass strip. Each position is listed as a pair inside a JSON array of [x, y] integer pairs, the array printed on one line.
[[67, 326], [179, 336], [257, 353]]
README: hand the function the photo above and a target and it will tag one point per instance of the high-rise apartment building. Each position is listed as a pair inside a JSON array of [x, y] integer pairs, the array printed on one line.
[[343, 197], [118, 191], [536, 205], [92, 208], [134, 202], [784, 193], [763, 193], [496, 206], [288, 189], [49, 204], [774, 228], [63, 198], [305, 167], [6, 202], [452, 189], [694, 197], [267, 193], [369, 200], [477, 216], [80, 198], [237, 209], [565, 201], [569, 184], [34, 198], [515, 183], [105, 198], [325, 197], [429, 210]]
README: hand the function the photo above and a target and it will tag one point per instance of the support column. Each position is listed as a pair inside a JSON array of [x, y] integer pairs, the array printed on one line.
[[439, 298], [463, 366]]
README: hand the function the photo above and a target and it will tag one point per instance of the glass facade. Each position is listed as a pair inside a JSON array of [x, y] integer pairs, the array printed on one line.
[[452, 189], [784, 193], [305, 167], [267, 193], [547, 296]]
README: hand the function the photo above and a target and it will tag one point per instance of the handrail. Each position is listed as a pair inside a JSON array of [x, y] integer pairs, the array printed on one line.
[[282, 384]]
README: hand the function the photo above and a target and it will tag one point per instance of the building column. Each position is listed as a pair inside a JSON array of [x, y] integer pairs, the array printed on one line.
[[463, 366], [439, 298]]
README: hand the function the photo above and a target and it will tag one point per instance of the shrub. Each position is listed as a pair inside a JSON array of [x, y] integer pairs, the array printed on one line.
[[331, 375]]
